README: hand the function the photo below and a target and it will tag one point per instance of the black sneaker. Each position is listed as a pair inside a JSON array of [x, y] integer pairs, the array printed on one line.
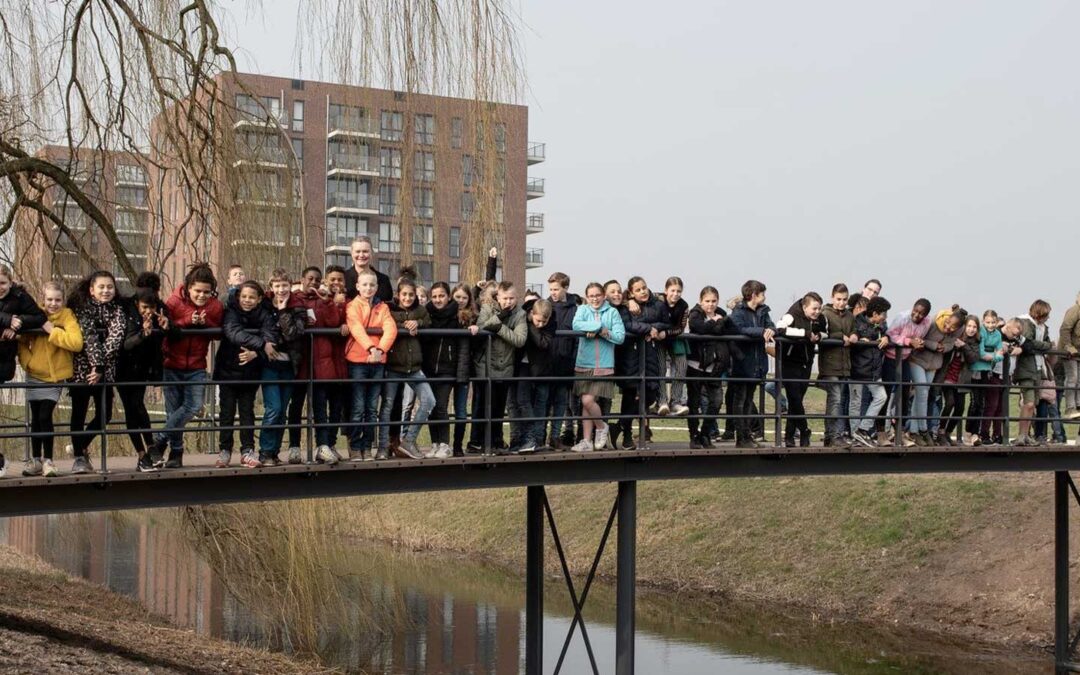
[[157, 452], [176, 461], [628, 443], [146, 464], [474, 449], [706, 443], [727, 437], [695, 443], [747, 443]]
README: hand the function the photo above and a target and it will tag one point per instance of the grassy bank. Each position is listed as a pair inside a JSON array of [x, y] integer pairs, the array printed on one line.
[[970, 554]]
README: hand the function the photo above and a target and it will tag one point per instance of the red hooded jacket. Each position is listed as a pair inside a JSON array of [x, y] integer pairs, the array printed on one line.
[[328, 350], [189, 352]]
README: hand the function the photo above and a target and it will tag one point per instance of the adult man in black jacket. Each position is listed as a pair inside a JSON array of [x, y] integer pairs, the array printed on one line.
[[361, 252]]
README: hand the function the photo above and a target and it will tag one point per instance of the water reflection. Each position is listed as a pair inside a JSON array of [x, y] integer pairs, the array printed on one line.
[[445, 616]]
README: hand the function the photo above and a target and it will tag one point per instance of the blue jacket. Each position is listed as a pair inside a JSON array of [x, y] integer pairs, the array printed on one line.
[[598, 352], [748, 358]]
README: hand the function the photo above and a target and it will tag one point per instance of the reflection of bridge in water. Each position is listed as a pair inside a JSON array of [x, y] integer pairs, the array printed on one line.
[[436, 633]]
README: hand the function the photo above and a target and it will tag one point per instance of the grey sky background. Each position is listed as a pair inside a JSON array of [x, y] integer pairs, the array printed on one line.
[[933, 145]]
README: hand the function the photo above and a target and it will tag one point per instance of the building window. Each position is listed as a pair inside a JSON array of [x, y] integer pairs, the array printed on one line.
[[391, 267], [479, 136], [388, 200], [500, 137], [128, 173], [456, 132], [298, 116], [298, 149], [393, 123], [471, 170], [468, 205], [126, 222], [455, 242], [500, 173], [390, 162], [389, 238], [425, 166], [423, 240], [499, 206], [253, 108], [341, 230], [454, 274], [424, 202], [131, 196], [349, 118], [425, 269], [425, 129], [339, 258]]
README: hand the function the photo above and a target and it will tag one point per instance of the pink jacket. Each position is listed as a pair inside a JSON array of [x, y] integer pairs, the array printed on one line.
[[902, 331]]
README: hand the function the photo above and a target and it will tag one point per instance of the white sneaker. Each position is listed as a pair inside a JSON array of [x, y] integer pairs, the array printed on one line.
[[326, 455], [663, 411], [48, 469], [69, 449], [679, 410], [527, 448], [601, 438], [295, 457], [444, 451], [584, 445]]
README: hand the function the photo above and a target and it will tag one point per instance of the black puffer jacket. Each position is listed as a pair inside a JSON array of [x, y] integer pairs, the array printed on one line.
[[564, 349], [714, 356], [677, 319], [534, 359], [142, 355], [248, 330], [866, 358], [16, 303], [291, 323], [654, 314], [446, 356], [406, 356], [797, 355]]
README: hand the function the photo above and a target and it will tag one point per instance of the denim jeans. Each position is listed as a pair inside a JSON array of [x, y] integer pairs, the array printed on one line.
[[275, 408], [425, 401], [365, 403], [859, 419], [921, 379], [836, 423], [558, 402], [327, 405], [532, 400], [1048, 412], [182, 403]]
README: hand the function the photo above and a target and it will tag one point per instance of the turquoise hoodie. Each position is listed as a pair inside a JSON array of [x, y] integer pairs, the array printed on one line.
[[598, 352], [989, 343]]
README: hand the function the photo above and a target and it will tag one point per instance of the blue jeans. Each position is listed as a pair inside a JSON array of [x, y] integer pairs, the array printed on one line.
[[275, 405], [558, 400], [461, 412], [921, 379], [1048, 412], [182, 403], [365, 403], [425, 402], [532, 400], [836, 422], [328, 401]]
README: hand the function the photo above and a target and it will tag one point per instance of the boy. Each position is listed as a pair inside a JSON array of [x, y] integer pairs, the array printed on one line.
[[834, 365], [563, 355], [505, 321], [750, 318], [330, 400], [366, 356], [290, 317], [308, 294], [866, 363], [191, 305], [236, 276], [1032, 339], [534, 360]]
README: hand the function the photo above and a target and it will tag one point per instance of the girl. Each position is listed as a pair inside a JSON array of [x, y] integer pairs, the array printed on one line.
[[924, 363], [467, 313], [804, 327], [674, 350], [957, 369], [907, 330], [987, 373], [446, 357], [47, 359], [329, 399], [403, 362], [595, 357], [251, 334], [647, 319], [283, 361], [140, 361], [613, 292], [707, 361], [103, 323]]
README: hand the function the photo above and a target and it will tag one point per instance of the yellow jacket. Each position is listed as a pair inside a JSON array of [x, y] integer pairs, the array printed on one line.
[[48, 357]]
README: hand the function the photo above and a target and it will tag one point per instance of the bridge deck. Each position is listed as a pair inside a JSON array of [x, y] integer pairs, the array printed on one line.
[[199, 482]]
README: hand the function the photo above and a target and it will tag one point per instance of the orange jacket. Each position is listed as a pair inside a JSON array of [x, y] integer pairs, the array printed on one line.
[[361, 316]]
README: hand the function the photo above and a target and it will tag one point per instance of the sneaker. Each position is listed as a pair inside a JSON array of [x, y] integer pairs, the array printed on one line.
[[326, 455], [443, 451], [383, 453], [222, 461], [295, 457], [32, 468], [727, 437], [582, 446], [862, 438], [176, 461], [663, 411], [601, 438], [81, 465], [407, 449], [706, 443], [69, 449], [1024, 442], [157, 453], [357, 454], [695, 443], [883, 439], [1072, 414], [477, 449], [679, 410], [270, 460], [747, 443], [628, 443], [927, 438], [527, 448], [249, 460], [48, 469], [909, 440], [146, 463]]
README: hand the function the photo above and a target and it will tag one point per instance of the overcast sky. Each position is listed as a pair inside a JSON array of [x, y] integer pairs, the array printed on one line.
[[933, 145]]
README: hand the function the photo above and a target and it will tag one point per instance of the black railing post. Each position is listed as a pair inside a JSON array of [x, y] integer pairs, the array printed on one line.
[[1061, 570], [311, 437], [901, 396], [101, 411], [488, 447], [778, 382], [26, 413], [625, 583], [534, 580], [1006, 383], [643, 402]]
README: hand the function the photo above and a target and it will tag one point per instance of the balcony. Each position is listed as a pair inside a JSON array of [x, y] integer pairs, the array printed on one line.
[[131, 175], [534, 153], [534, 223], [253, 115], [536, 288], [534, 257], [353, 126], [262, 155], [348, 164], [534, 188], [348, 202]]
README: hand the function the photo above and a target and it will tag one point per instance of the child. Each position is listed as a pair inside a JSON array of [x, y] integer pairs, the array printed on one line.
[[290, 317], [1069, 341], [47, 359], [563, 353], [250, 336], [505, 321], [646, 318], [707, 362], [673, 351], [421, 295], [907, 330], [467, 312], [192, 305], [924, 364], [749, 362], [330, 399], [984, 423], [140, 361], [18, 312], [834, 366], [804, 327], [867, 361], [446, 357], [1032, 336], [307, 293], [366, 355], [534, 360], [103, 325], [595, 358], [236, 277], [957, 369], [404, 364]]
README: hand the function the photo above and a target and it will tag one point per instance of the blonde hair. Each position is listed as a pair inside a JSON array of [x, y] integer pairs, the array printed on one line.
[[53, 286]]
